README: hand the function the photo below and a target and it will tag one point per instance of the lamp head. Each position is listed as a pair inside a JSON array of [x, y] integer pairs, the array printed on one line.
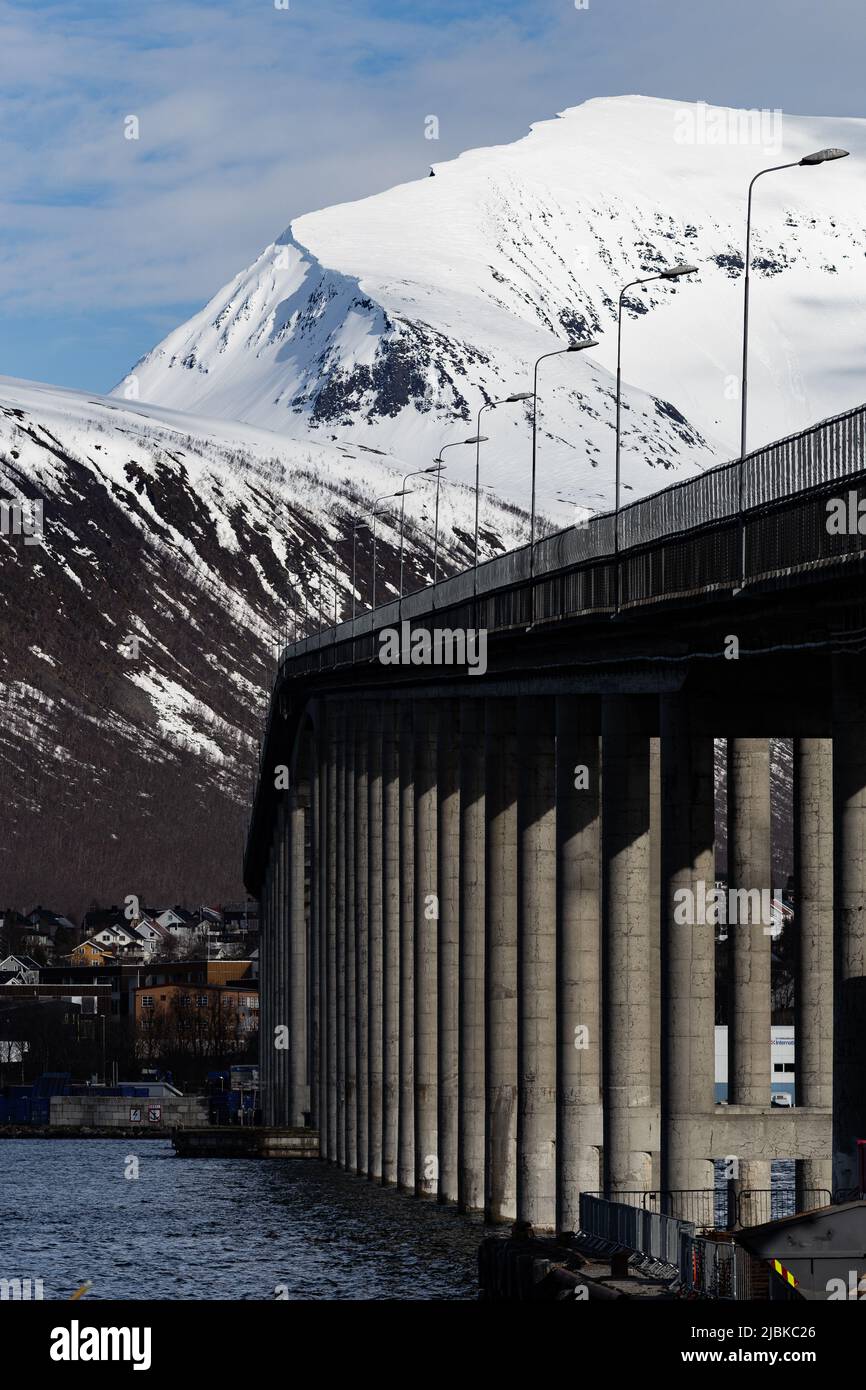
[[677, 270], [581, 347], [519, 396], [822, 156], [477, 439]]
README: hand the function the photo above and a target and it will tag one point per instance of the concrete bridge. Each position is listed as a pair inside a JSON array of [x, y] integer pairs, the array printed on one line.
[[477, 983]]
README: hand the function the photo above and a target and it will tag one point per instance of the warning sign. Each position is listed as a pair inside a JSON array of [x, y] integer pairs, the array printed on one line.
[[135, 1114], [154, 1114]]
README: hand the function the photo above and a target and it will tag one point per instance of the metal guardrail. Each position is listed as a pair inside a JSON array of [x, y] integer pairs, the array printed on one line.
[[757, 1205], [719, 1208], [648, 1233], [715, 1269]]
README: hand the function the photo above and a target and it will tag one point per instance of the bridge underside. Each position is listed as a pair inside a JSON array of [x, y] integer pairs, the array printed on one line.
[[473, 938]]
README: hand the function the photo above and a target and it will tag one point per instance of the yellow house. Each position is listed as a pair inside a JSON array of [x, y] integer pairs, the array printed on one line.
[[91, 953]]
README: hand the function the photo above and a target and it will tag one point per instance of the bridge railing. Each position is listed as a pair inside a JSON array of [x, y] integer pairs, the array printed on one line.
[[622, 1226], [832, 450]]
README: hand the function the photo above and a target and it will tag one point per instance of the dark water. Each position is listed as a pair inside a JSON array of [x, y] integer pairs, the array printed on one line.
[[220, 1228]]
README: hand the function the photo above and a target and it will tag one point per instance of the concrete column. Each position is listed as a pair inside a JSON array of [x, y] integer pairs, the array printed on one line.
[[448, 874], [341, 935], [362, 888], [281, 1106], [322, 994], [471, 1089], [578, 1009], [688, 946], [297, 1059], [631, 1138], [266, 1019], [536, 965], [350, 1041], [425, 947], [849, 801], [813, 869], [314, 939], [376, 971], [501, 756], [749, 868], [331, 900], [390, 942], [406, 1132]]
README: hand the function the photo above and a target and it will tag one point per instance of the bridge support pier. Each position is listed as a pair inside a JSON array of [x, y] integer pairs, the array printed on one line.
[[472, 1125], [688, 946], [298, 1091], [630, 921], [390, 943], [579, 1134], [362, 941], [329, 1149], [406, 1129], [375, 952], [813, 869], [536, 965], [448, 877], [501, 959], [283, 930], [849, 771], [426, 945]]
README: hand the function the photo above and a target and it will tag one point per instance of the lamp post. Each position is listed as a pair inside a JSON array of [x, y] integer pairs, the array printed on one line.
[[359, 526], [818, 157], [456, 444], [480, 439], [418, 473], [374, 513], [559, 352], [673, 274]]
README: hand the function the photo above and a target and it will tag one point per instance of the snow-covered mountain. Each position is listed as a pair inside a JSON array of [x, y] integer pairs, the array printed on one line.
[[390, 321], [154, 564]]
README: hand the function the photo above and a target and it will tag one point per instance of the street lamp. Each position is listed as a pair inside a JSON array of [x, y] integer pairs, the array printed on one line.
[[374, 513], [479, 440], [359, 526], [418, 473], [559, 352], [819, 157], [673, 274]]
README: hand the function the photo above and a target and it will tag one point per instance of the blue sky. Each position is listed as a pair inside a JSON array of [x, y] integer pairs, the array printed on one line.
[[250, 115]]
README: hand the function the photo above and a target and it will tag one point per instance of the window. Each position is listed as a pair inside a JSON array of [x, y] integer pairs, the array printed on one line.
[[185, 1001], [202, 1001], [147, 1001]]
